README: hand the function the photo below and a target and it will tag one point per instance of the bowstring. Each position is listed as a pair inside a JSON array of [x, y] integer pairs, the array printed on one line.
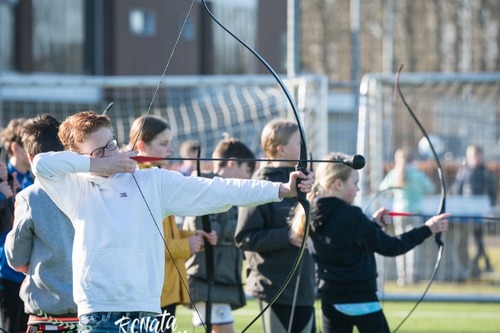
[[366, 210], [165, 69], [167, 65]]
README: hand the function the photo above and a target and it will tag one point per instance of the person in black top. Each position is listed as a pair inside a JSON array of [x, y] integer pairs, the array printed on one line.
[[475, 179], [342, 242]]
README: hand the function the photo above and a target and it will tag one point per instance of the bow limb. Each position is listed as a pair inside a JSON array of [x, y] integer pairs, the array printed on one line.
[[301, 165], [209, 258], [106, 110], [442, 203]]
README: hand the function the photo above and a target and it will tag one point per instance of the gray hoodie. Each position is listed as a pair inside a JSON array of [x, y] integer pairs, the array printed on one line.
[[42, 237]]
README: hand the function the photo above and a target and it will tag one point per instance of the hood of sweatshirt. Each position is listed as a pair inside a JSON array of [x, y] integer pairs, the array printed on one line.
[[322, 210]]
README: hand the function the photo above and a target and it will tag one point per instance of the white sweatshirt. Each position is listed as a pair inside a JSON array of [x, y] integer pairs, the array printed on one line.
[[118, 253]]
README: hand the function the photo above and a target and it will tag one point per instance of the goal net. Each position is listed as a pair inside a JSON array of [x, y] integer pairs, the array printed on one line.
[[197, 107], [456, 109]]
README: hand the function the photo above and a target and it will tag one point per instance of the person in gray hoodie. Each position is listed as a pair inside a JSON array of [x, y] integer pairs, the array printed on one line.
[[40, 243]]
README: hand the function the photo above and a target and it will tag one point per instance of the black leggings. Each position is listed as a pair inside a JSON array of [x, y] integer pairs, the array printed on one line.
[[171, 310], [335, 321], [277, 318]]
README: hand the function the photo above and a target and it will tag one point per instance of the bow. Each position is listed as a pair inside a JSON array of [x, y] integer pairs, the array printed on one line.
[[209, 258], [442, 204], [301, 164]]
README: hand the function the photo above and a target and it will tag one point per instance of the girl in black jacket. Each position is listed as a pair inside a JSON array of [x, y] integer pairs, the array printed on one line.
[[263, 233], [342, 242]]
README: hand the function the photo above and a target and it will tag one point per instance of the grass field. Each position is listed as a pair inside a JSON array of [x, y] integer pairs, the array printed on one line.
[[429, 317]]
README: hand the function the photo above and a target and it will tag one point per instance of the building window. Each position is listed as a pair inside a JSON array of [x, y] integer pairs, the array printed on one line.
[[188, 33], [7, 36], [58, 36], [142, 22], [240, 17]]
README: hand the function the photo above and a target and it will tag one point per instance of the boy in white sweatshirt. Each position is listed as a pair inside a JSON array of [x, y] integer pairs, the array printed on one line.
[[116, 210]]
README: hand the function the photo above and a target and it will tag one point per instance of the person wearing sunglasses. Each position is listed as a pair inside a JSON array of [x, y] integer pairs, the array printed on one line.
[[117, 209]]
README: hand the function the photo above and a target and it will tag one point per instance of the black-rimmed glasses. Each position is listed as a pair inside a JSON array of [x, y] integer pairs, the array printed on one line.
[[99, 152]]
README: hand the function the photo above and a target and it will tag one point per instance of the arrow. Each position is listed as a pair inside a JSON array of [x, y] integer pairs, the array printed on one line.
[[393, 214], [356, 161]]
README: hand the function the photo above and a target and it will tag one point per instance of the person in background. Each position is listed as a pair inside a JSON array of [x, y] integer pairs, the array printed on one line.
[[6, 199], [342, 242], [227, 289], [40, 243], [119, 252], [13, 317], [9, 316], [18, 162], [264, 235], [409, 186], [475, 179], [152, 136], [188, 149]]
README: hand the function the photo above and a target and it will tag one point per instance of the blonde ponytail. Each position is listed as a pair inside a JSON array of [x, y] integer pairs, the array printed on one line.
[[325, 175], [298, 221]]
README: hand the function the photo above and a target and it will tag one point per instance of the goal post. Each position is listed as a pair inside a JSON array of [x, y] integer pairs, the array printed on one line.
[[456, 109]]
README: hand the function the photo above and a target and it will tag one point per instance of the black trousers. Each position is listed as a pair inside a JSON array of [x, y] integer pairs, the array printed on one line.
[[13, 318], [171, 310]]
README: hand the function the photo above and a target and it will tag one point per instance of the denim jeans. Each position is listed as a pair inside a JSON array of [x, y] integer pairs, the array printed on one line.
[[118, 322]]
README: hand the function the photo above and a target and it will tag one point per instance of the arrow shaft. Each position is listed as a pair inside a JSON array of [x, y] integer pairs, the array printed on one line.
[[144, 159], [395, 214]]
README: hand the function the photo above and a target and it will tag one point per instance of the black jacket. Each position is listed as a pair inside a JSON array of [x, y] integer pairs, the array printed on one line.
[[342, 242], [262, 232], [476, 181]]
